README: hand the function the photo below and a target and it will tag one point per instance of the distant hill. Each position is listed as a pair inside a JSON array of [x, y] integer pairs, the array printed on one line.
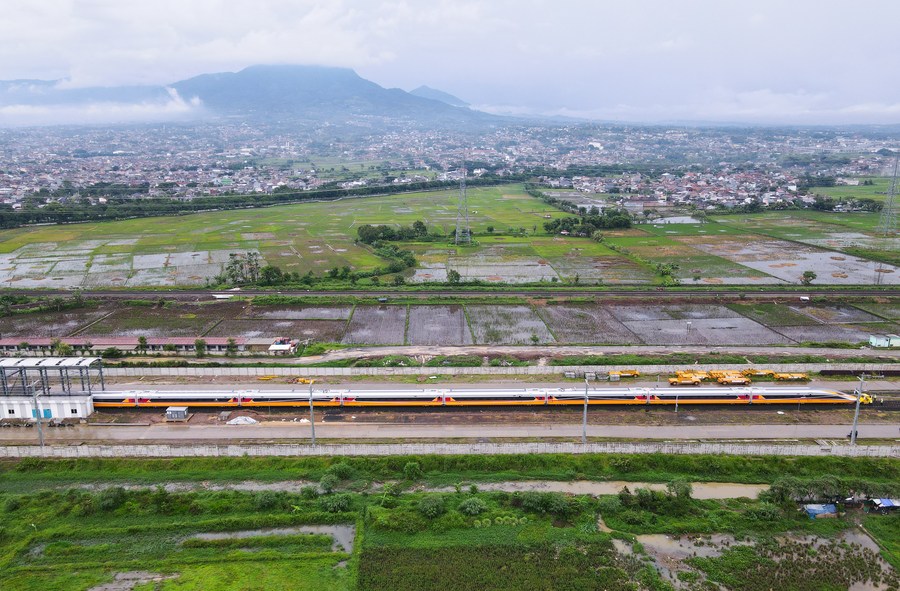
[[313, 91], [278, 93], [438, 95]]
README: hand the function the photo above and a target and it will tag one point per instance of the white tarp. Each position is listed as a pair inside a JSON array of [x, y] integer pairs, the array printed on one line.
[[242, 421]]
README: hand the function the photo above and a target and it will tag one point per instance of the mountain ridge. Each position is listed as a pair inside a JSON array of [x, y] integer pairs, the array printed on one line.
[[301, 92]]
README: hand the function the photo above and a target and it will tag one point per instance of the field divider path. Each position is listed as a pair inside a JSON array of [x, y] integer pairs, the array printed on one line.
[[90, 324]]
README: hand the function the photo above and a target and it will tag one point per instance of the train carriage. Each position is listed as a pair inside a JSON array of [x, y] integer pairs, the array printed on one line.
[[474, 397]]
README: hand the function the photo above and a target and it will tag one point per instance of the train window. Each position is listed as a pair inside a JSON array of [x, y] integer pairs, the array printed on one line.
[[11, 412], [74, 411]]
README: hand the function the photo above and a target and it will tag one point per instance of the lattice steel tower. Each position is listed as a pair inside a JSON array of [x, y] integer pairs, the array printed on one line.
[[887, 225], [463, 234]]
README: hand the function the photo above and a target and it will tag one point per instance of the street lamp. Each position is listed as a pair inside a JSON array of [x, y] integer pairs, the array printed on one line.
[[312, 418], [859, 394]]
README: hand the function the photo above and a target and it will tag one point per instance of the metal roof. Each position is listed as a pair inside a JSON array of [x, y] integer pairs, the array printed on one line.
[[47, 362]]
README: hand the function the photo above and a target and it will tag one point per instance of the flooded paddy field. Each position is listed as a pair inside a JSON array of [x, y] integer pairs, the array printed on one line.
[[713, 324]]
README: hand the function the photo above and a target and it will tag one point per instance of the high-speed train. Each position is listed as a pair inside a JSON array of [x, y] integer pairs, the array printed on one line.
[[473, 397]]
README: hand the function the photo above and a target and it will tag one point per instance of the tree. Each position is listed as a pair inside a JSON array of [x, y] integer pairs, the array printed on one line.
[[200, 348], [64, 349], [399, 280], [490, 229], [808, 277], [231, 347], [453, 276], [142, 343]]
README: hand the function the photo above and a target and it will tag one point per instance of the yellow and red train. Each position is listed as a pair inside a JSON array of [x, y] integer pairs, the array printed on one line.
[[475, 397]]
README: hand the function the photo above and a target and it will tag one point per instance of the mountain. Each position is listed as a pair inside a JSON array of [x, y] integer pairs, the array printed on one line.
[[266, 92], [313, 92], [438, 95]]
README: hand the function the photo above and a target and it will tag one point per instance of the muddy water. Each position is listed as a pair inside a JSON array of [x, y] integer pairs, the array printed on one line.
[[129, 580], [702, 490], [343, 534], [669, 553]]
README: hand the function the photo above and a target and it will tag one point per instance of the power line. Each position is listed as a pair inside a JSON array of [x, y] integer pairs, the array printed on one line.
[[463, 233]]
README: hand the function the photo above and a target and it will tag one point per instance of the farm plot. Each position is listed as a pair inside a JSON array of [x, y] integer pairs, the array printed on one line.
[[773, 314], [788, 261], [376, 325], [502, 269], [672, 312], [184, 320], [705, 331], [885, 310], [823, 333], [438, 325], [586, 324], [50, 324], [836, 314], [299, 313], [508, 325], [323, 331]]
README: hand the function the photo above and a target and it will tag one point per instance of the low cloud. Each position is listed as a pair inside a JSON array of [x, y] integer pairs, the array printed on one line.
[[175, 108]]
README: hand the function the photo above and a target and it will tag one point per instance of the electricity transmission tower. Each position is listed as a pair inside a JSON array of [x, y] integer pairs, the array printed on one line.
[[887, 225], [463, 234]]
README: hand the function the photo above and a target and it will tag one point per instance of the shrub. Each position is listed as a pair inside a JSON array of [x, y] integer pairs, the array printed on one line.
[[610, 504], [342, 470], [309, 492], [413, 471], [553, 503], [111, 498], [432, 506], [473, 506], [328, 483], [12, 504], [335, 503], [268, 500]]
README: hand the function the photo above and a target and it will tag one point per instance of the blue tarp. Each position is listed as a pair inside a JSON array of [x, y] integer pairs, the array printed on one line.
[[813, 510], [887, 503]]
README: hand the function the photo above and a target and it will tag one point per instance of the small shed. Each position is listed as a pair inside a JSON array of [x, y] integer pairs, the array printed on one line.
[[177, 413], [885, 505], [884, 340], [283, 346]]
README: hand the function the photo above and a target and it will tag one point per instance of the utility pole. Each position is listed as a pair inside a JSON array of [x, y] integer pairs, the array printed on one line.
[[584, 418], [37, 416], [312, 417], [859, 393]]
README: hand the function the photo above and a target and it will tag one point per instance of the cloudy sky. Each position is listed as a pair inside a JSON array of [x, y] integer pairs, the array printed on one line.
[[758, 61]]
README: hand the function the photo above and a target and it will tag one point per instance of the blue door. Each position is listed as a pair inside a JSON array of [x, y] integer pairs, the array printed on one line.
[[48, 414]]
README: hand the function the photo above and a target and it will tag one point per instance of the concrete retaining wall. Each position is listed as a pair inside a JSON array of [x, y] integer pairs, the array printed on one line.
[[158, 451], [454, 371]]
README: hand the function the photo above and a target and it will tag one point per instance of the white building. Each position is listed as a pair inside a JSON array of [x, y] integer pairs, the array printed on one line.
[[54, 406]]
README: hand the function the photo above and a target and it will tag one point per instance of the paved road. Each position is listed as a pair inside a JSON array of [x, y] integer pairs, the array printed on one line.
[[282, 431]]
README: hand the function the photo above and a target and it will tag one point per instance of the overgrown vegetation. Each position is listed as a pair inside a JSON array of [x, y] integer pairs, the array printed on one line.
[[407, 538]]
